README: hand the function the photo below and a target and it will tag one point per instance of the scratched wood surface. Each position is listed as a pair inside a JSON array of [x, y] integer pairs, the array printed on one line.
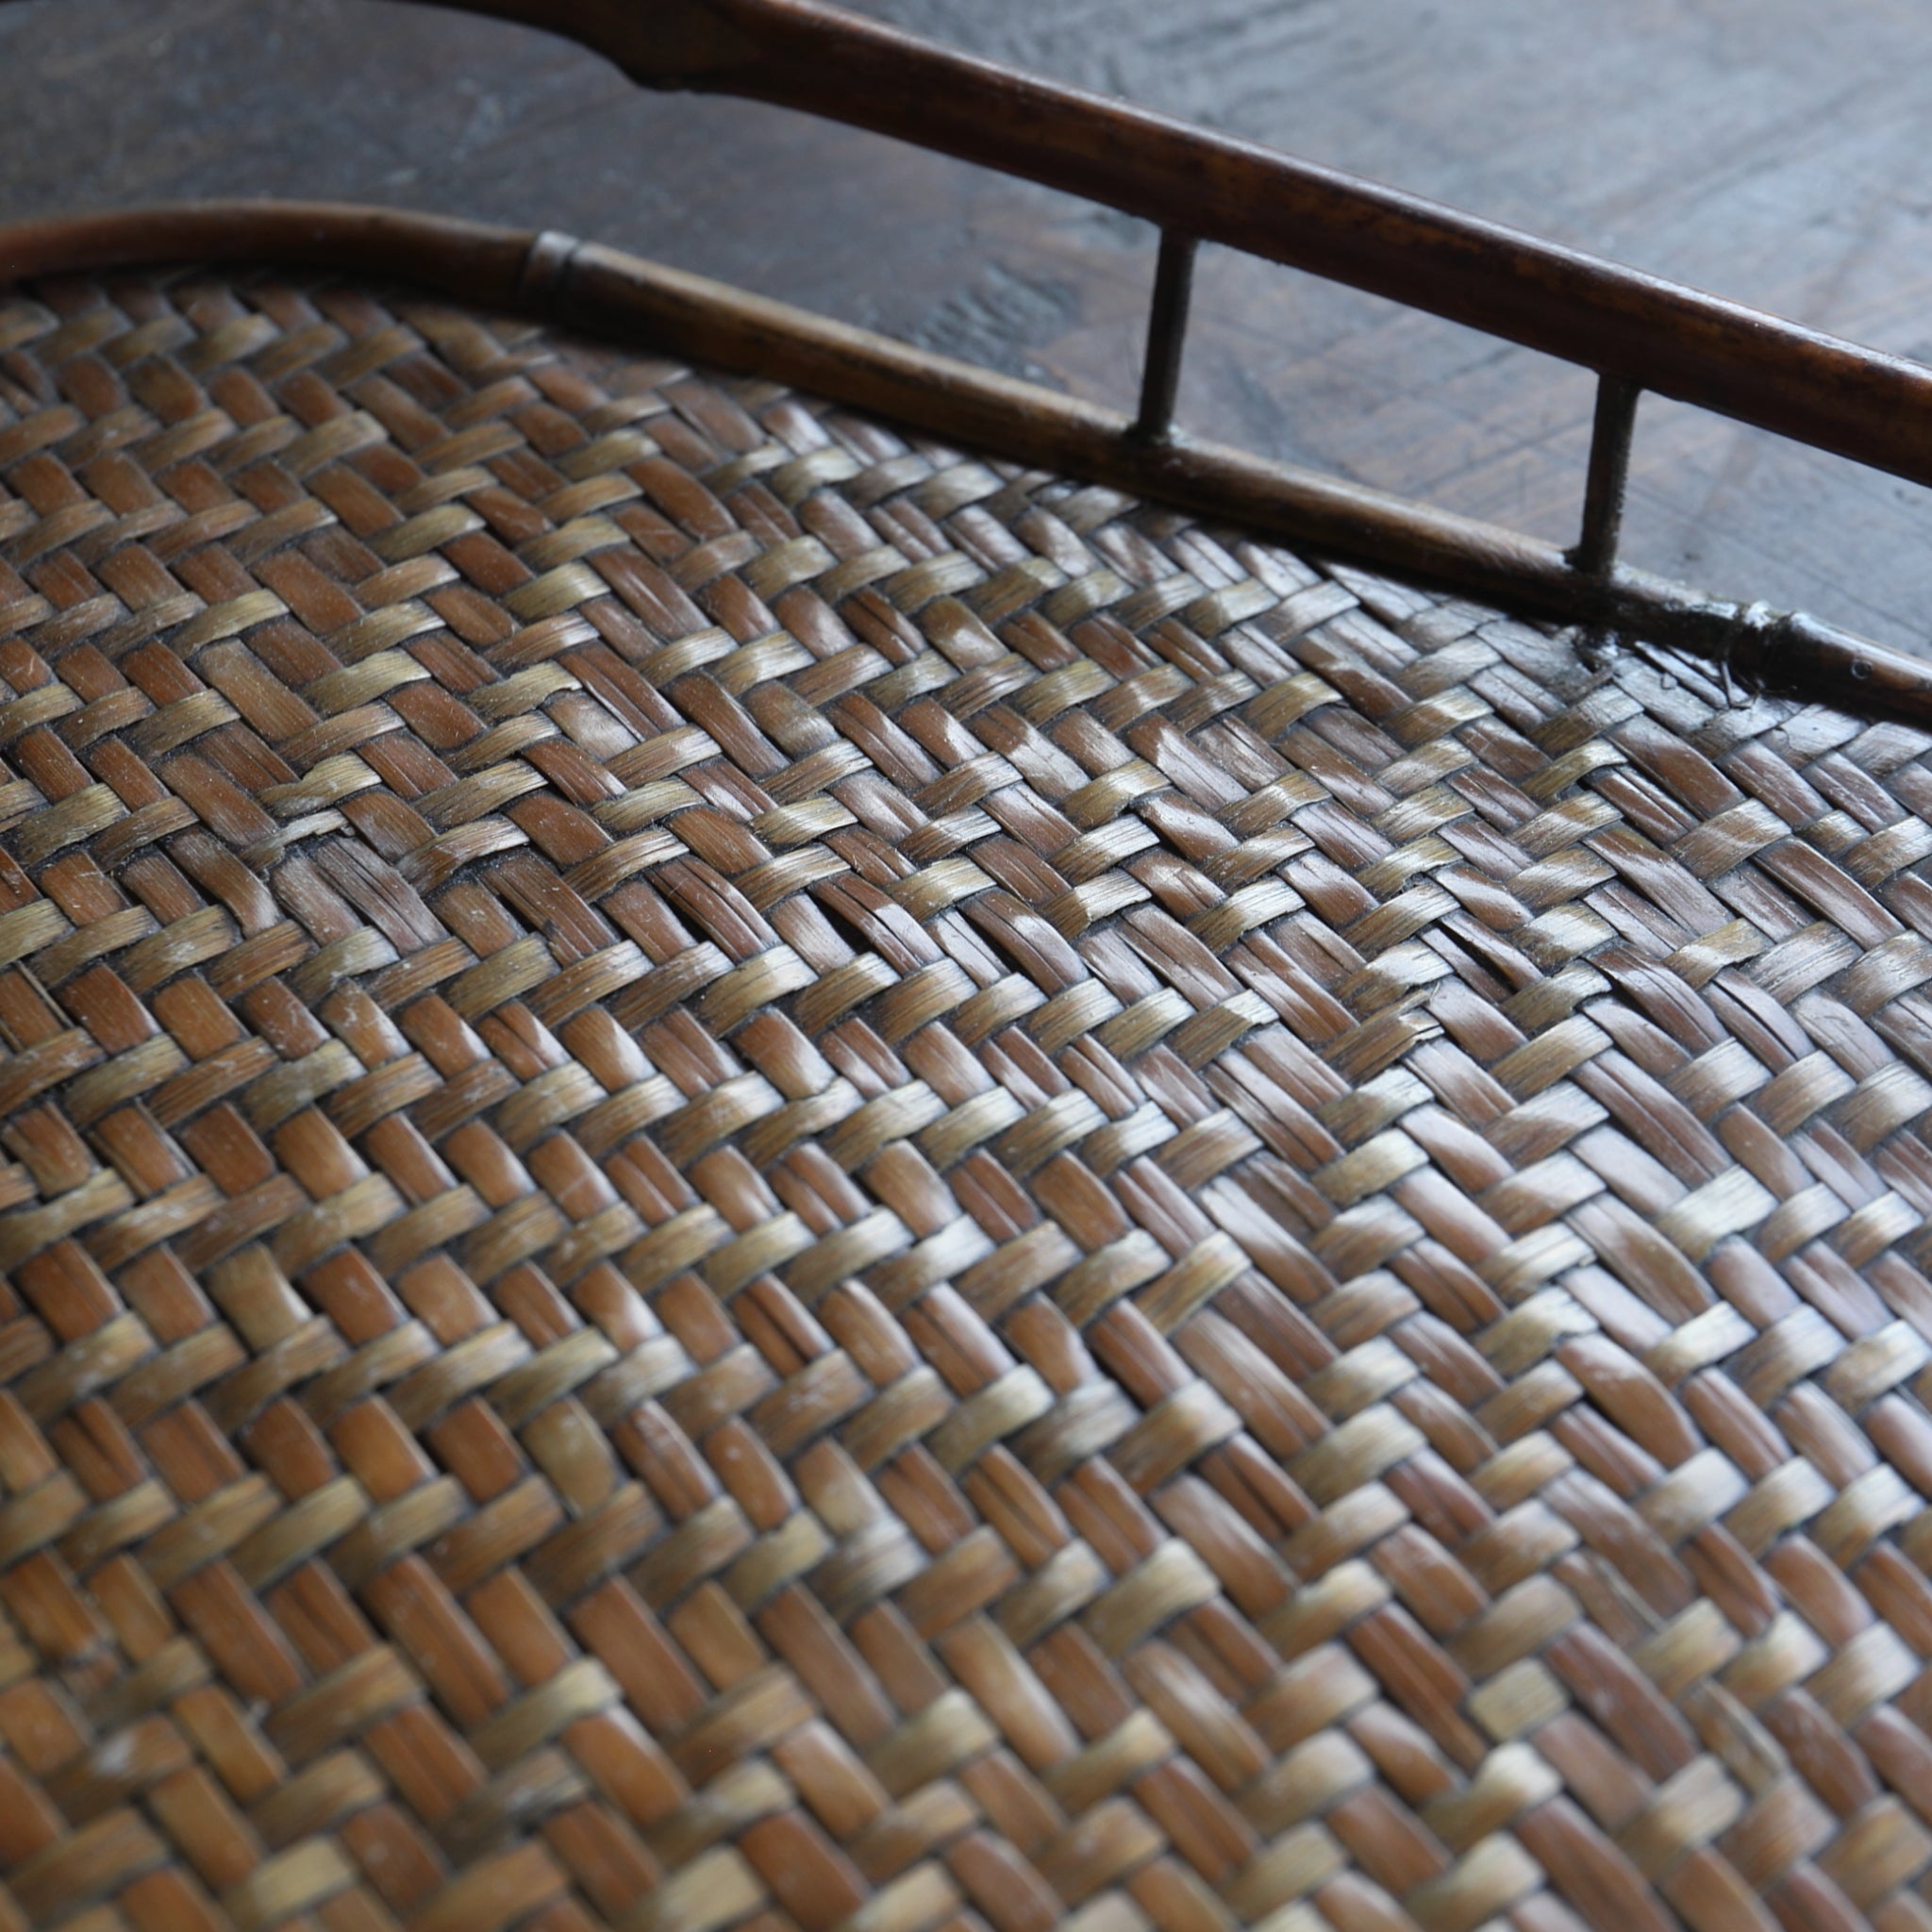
[[1767, 149]]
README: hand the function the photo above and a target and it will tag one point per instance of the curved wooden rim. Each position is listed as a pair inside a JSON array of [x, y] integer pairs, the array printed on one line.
[[472, 259], [624, 296]]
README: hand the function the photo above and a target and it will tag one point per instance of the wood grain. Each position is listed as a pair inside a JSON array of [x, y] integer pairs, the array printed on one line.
[[1757, 152]]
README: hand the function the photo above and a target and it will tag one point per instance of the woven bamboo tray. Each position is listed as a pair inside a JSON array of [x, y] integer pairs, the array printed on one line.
[[764, 1175]]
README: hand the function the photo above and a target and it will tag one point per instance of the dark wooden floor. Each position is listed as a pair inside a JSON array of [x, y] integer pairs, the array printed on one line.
[[1772, 150]]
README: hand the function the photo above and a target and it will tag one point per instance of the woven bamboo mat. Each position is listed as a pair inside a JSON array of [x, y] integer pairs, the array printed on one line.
[[756, 1177]]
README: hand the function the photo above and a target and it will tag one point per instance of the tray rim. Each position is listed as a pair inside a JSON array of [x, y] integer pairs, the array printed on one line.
[[635, 302]]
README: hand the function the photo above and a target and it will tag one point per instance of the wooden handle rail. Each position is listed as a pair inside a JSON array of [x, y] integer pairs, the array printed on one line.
[[1813, 388]]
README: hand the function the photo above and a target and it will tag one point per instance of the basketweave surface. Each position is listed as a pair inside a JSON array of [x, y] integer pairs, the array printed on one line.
[[760, 1176]]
